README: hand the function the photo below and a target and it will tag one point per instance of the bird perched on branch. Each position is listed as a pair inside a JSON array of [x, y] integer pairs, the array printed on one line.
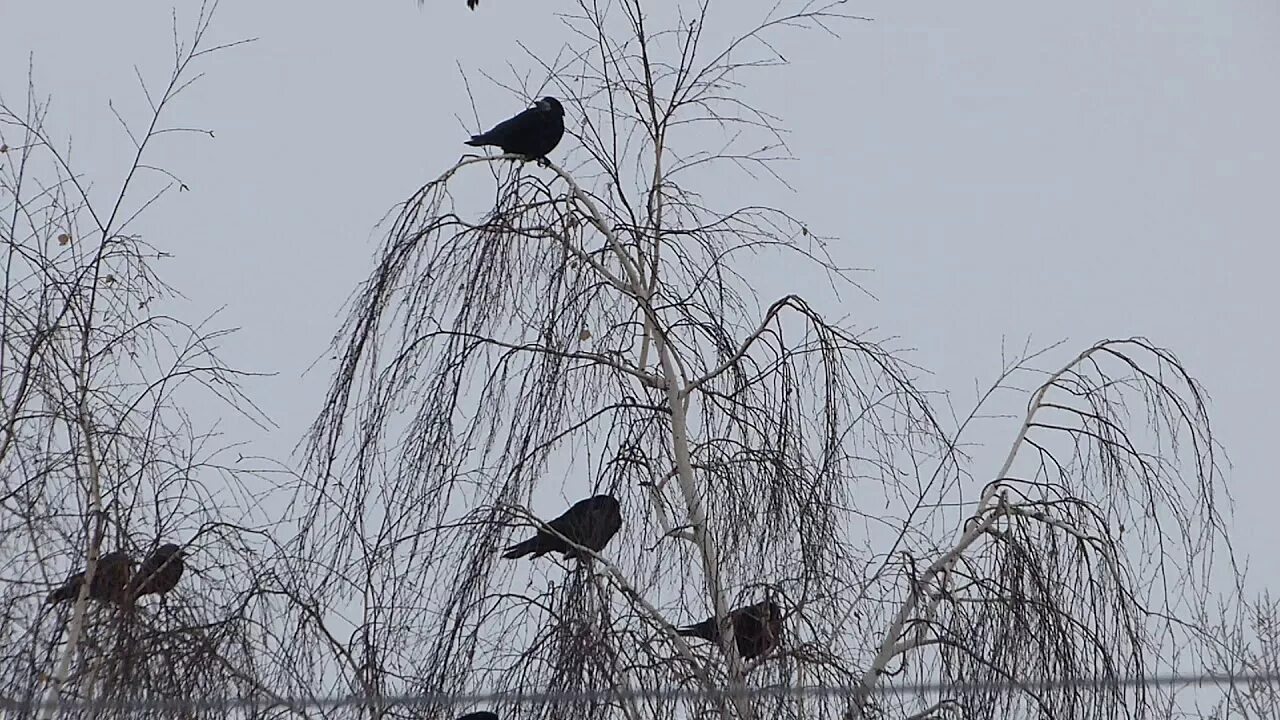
[[159, 572], [590, 523], [479, 715], [533, 133], [110, 578], [757, 629]]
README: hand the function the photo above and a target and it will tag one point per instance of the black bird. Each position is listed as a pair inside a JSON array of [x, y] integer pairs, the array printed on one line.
[[479, 715], [590, 523], [533, 133], [472, 4], [756, 628], [160, 571], [110, 578]]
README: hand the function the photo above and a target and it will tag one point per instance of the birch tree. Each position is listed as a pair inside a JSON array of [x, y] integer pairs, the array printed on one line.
[[1244, 644], [594, 327], [97, 451]]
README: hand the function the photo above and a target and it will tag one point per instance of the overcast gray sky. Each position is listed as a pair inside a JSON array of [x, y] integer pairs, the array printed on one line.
[[1006, 169]]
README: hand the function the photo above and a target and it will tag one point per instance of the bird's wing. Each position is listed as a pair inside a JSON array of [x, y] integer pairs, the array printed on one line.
[[704, 629], [512, 126], [145, 572], [568, 523]]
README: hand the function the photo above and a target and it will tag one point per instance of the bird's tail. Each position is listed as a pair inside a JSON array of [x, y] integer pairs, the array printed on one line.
[[522, 549], [477, 141], [700, 630], [63, 594]]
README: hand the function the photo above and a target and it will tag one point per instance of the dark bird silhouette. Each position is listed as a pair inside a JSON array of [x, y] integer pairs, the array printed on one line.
[[110, 578], [159, 572], [590, 523], [533, 133], [472, 4], [479, 715], [757, 629]]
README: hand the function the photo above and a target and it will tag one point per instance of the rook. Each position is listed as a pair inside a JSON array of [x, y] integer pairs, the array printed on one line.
[[159, 572], [533, 133], [590, 523], [110, 578], [756, 628]]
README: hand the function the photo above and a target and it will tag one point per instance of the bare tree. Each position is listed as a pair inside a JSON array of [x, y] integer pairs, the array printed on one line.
[[1244, 644], [97, 453], [597, 329]]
